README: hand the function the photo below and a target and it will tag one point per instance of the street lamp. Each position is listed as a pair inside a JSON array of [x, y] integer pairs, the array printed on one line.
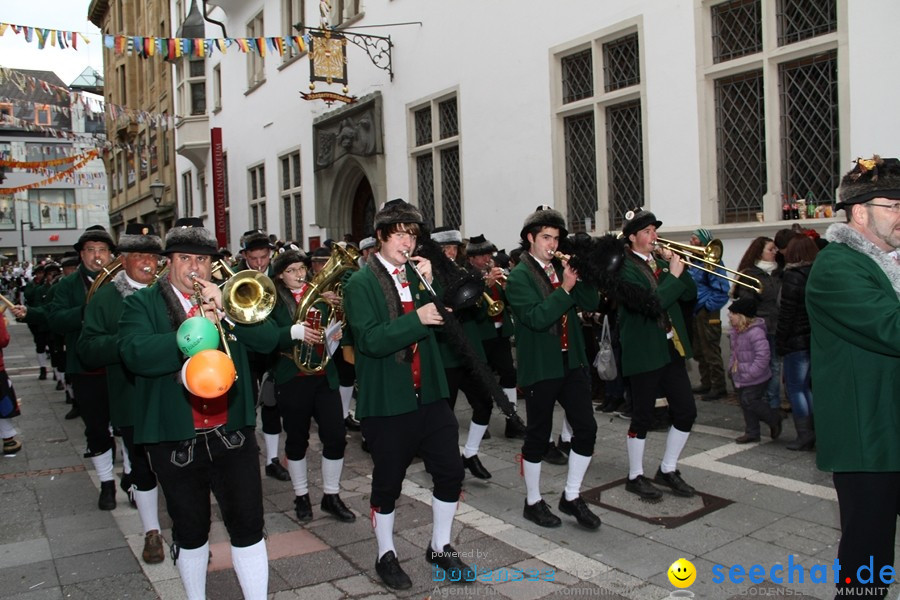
[[157, 188], [22, 225]]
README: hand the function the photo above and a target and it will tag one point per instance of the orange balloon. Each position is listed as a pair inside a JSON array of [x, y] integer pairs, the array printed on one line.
[[209, 374]]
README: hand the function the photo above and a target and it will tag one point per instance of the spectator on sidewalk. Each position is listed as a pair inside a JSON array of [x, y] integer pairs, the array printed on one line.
[[712, 295], [9, 404]]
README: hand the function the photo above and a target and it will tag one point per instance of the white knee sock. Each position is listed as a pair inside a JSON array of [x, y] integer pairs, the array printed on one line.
[[441, 523], [578, 466], [675, 442], [384, 533], [511, 394], [42, 360], [635, 448], [59, 375], [192, 566], [473, 440], [251, 565], [346, 395], [532, 473], [331, 475], [148, 508], [299, 477], [103, 465], [271, 446], [126, 460], [565, 433], [7, 430]]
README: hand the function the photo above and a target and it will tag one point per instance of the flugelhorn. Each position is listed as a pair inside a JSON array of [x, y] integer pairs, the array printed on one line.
[[706, 258]]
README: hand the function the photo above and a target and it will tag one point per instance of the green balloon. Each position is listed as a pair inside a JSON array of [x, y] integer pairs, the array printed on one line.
[[196, 334]]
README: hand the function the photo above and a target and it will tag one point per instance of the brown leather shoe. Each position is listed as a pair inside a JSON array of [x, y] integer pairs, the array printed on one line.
[[154, 549], [745, 439]]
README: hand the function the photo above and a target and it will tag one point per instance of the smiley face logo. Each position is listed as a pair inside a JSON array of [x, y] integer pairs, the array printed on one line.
[[682, 573]]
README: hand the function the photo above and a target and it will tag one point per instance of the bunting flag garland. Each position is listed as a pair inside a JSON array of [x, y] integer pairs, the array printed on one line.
[[89, 156], [44, 164], [148, 46]]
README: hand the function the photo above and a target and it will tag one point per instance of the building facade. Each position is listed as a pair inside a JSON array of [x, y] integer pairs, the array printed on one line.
[[709, 113], [47, 132], [141, 124]]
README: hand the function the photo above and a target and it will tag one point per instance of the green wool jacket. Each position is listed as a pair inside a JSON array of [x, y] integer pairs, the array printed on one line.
[[854, 317], [65, 312], [537, 347], [149, 350], [644, 344], [97, 347], [285, 369], [386, 383]]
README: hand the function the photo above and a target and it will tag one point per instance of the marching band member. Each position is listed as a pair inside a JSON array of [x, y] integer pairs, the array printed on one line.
[[654, 351], [545, 297], [497, 331], [97, 347], [64, 315], [196, 445], [402, 387], [301, 396], [32, 294]]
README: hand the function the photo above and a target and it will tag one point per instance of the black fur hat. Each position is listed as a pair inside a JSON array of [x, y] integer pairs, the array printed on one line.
[[871, 178], [139, 237], [544, 216], [255, 239], [189, 236], [745, 305], [95, 233], [397, 211], [52, 266], [289, 254], [478, 245], [635, 220], [446, 236], [38, 269], [70, 259]]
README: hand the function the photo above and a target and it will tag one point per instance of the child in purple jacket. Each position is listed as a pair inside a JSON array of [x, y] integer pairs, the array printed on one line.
[[749, 369]]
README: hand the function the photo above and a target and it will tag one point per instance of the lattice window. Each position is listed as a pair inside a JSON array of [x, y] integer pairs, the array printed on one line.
[[291, 197], [621, 63], [809, 127], [448, 118], [581, 170], [577, 76], [736, 29], [423, 126], [450, 190], [625, 160], [257, 180], [740, 146], [425, 188], [804, 19]]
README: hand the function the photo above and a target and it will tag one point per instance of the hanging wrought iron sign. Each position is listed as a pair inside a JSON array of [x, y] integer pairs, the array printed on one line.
[[328, 60]]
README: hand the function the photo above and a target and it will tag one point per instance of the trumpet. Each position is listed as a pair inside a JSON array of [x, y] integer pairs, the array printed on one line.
[[706, 258], [419, 273], [494, 307]]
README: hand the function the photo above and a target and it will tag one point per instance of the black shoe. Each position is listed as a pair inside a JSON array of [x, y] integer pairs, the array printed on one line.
[[126, 484], [554, 456], [745, 439], [275, 470], [43, 374], [333, 505], [578, 509], [351, 424], [641, 486], [701, 389], [714, 395], [60, 386], [610, 405], [775, 428], [448, 559], [473, 464], [393, 576], [303, 508], [564, 447], [73, 414], [540, 513], [107, 499], [515, 427], [674, 481], [625, 413]]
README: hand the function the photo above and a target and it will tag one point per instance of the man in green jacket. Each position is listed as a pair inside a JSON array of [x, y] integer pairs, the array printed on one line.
[[654, 350], [32, 295], [195, 444], [402, 387], [854, 316], [545, 296], [140, 248]]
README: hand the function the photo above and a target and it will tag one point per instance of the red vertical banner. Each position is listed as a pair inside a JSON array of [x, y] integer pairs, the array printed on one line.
[[218, 181]]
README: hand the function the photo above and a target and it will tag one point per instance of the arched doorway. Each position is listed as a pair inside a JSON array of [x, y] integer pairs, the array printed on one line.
[[363, 215]]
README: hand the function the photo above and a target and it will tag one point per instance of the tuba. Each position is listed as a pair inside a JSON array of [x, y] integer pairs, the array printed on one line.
[[312, 358], [248, 296]]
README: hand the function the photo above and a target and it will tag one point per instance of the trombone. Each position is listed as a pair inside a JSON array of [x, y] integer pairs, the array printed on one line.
[[706, 258]]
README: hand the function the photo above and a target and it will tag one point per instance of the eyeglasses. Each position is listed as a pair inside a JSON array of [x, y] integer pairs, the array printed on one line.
[[894, 208]]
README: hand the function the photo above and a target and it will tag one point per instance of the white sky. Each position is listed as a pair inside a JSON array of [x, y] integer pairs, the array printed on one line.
[[68, 15]]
